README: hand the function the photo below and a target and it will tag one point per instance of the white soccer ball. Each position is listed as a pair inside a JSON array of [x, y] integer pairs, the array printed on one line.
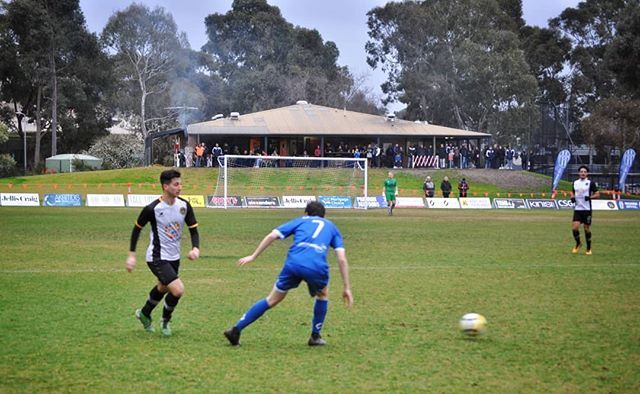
[[473, 324]]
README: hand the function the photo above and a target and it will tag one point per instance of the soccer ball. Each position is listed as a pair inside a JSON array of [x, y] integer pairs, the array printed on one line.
[[473, 324]]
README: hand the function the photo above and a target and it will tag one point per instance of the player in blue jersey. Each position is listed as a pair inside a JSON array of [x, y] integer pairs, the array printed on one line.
[[167, 216], [306, 261], [583, 191]]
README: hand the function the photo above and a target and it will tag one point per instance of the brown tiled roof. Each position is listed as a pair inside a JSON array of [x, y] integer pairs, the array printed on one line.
[[309, 119]]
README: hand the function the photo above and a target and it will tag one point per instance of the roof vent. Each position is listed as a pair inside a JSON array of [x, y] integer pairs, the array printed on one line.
[[301, 102], [217, 116], [391, 117], [234, 115]]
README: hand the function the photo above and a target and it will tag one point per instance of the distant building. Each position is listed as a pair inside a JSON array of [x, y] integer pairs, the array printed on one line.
[[294, 129]]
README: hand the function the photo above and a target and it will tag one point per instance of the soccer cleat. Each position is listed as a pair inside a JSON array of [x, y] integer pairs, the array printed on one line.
[[576, 248], [316, 340], [588, 252], [165, 328], [146, 321], [233, 336]]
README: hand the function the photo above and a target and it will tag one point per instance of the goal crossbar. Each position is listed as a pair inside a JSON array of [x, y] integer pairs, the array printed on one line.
[[228, 162]]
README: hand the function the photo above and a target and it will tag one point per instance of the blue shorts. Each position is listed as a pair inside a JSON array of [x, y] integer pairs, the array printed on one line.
[[292, 274]]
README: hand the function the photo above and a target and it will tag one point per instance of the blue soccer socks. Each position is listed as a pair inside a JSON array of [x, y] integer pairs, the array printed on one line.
[[319, 313], [253, 314]]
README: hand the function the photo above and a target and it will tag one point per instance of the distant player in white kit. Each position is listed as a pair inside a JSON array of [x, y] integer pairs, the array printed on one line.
[[583, 191]]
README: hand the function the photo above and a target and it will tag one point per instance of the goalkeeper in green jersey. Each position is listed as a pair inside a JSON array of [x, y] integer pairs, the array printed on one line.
[[390, 191]]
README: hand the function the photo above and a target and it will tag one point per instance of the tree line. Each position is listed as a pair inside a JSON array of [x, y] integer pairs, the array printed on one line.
[[476, 65], [471, 64]]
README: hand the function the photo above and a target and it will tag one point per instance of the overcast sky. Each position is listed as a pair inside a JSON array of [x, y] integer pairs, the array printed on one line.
[[340, 21]]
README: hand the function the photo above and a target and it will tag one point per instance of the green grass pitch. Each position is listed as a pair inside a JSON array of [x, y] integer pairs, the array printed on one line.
[[557, 322]]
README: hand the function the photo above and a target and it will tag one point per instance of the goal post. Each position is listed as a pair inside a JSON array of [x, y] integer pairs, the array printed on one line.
[[258, 176]]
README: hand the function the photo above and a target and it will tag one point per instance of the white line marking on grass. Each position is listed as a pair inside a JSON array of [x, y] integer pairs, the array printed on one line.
[[499, 266], [387, 268], [111, 270]]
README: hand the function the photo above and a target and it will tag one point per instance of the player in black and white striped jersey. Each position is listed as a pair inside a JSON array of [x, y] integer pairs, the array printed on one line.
[[583, 191], [167, 216]]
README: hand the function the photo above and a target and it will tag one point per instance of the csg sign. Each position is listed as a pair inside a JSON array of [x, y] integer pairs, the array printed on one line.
[[541, 203], [565, 204]]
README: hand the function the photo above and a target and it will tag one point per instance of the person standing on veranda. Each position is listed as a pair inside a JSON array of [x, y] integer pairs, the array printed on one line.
[[306, 261]]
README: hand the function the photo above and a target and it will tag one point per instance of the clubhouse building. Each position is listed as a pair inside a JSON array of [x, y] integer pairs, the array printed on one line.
[[299, 130]]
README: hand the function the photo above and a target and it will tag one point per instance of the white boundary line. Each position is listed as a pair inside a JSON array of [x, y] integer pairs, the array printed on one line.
[[399, 268]]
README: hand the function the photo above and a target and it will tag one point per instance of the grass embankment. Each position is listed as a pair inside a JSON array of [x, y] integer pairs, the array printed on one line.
[[492, 183]]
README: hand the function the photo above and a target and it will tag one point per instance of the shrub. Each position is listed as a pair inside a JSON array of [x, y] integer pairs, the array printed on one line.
[[118, 151], [7, 166]]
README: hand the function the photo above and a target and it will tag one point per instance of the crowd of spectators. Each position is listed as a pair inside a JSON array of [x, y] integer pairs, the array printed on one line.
[[450, 155], [201, 155]]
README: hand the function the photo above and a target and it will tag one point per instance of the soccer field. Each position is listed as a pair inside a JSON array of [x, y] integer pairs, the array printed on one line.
[[557, 322]]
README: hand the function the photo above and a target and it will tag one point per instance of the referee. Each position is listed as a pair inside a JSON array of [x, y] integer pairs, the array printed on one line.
[[583, 191], [167, 216]]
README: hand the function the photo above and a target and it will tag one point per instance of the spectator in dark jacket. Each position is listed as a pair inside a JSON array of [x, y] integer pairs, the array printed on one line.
[[445, 186]]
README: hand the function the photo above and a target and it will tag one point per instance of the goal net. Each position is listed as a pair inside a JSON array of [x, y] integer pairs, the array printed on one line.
[[259, 176]]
